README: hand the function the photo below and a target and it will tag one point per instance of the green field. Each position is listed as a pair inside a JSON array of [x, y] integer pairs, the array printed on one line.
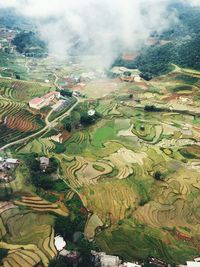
[[135, 169]]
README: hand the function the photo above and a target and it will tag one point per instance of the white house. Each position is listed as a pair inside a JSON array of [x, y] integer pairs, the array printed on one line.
[[130, 264], [193, 264], [12, 161], [109, 261], [91, 112], [59, 243]]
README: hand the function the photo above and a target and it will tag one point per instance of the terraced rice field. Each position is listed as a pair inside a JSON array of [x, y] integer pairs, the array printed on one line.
[[110, 200], [41, 205], [92, 224], [132, 240], [136, 171], [42, 146], [147, 132], [28, 236], [108, 107], [22, 90], [135, 147], [16, 121]]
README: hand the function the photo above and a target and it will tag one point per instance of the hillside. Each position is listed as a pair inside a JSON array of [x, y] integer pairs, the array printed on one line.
[[102, 159], [29, 43], [183, 48]]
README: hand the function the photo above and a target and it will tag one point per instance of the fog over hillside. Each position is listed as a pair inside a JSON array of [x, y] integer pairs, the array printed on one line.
[[103, 27]]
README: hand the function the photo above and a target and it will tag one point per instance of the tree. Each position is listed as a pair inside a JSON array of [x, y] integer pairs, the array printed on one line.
[[68, 126], [3, 254], [146, 76], [29, 43], [53, 166], [44, 181], [59, 262], [85, 247], [142, 128], [64, 227], [127, 73], [66, 93], [60, 148], [151, 108], [86, 119], [158, 176], [75, 118]]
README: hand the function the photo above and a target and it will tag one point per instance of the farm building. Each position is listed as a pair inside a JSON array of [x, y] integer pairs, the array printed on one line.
[[193, 264], [91, 112], [127, 78], [76, 93], [186, 133], [137, 79], [130, 264], [59, 243], [44, 163], [103, 260], [40, 102], [36, 103], [70, 255], [109, 261], [11, 163], [8, 163], [121, 70]]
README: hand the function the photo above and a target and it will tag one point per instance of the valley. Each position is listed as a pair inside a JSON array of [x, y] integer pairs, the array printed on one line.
[[99, 134], [135, 167]]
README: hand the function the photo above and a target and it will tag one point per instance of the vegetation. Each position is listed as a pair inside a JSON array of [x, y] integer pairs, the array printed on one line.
[[29, 43], [66, 227], [66, 93], [125, 157], [59, 262], [183, 47], [3, 254], [40, 179]]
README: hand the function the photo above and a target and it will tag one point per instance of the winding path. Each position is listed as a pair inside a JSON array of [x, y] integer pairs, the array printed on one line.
[[48, 125]]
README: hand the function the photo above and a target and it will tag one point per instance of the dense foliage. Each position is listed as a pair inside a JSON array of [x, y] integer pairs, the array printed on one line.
[[40, 179], [66, 227], [183, 48], [3, 254], [80, 116], [29, 44], [60, 262]]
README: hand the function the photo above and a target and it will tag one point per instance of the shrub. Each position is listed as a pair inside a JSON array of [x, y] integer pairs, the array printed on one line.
[[3, 254], [158, 176]]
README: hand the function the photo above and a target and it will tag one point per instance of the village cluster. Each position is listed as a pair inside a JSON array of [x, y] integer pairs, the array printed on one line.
[[101, 259], [6, 36], [6, 166]]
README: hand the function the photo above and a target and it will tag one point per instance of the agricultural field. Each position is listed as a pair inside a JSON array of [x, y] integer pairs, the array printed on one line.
[[135, 168], [28, 236], [22, 91], [138, 172], [16, 120]]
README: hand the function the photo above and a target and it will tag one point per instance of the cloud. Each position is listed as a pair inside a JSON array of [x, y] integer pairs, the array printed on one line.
[[104, 27], [193, 2]]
